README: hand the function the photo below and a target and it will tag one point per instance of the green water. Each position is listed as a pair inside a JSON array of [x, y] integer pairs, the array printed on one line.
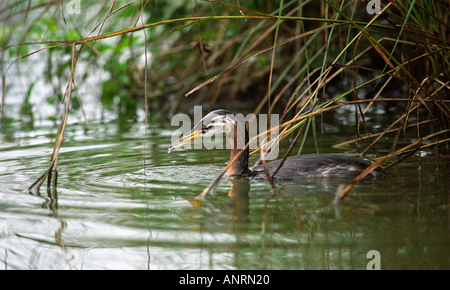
[[122, 202]]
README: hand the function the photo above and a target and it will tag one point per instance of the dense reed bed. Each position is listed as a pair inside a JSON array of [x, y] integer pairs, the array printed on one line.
[[302, 60]]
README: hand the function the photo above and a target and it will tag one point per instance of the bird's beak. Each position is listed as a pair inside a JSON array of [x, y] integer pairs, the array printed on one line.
[[189, 137]]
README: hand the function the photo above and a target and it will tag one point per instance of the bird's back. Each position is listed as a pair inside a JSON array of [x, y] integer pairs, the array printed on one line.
[[317, 165]]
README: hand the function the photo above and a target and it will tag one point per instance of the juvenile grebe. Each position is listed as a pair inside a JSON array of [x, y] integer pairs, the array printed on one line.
[[294, 167]]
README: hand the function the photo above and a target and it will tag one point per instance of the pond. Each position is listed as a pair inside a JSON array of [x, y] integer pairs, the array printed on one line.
[[122, 202]]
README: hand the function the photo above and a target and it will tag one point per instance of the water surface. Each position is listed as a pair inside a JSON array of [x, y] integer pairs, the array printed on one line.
[[122, 202]]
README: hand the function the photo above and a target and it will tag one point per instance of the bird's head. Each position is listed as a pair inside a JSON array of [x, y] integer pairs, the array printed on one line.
[[216, 123]]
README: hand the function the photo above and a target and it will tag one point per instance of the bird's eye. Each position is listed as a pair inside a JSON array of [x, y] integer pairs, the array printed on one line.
[[206, 128]]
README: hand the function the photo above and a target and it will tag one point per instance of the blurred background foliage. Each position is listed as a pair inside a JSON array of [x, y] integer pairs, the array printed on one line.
[[401, 52]]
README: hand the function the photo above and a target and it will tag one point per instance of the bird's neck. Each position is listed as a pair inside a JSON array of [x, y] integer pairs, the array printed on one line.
[[239, 151]]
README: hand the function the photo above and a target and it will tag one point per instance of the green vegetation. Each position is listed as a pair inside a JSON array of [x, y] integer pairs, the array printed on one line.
[[299, 59]]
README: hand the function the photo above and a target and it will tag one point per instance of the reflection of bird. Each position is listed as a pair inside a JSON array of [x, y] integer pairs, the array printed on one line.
[[222, 122]]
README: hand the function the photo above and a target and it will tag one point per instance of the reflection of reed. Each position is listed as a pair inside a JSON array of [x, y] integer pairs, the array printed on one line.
[[51, 201]]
